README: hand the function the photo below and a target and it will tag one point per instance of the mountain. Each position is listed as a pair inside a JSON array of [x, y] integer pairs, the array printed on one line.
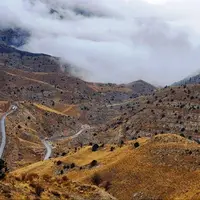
[[101, 140], [168, 110], [162, 167], [141, 87], [45, 91], [13, 58], [190, 80], [14, 37], [32, 186]]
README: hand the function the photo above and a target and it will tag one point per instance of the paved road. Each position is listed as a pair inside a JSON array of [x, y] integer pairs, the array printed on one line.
[[48, 148], [84, 128], [3, 129], [119, 104]]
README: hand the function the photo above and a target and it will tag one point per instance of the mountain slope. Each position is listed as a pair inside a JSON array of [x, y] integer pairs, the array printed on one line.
[[14, 37], [163, 167], [33, 187], [191, 80]]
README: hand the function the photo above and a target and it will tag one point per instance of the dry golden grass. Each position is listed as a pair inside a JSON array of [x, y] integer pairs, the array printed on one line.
[[164, 167], [31, 186], [45, 108]]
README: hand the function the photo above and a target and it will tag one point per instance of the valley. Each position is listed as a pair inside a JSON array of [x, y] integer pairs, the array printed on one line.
[[63, 137]]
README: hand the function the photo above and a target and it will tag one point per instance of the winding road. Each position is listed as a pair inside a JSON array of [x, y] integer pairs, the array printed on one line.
[[84, 128], [3, 129], [48, 146], [46, 143]]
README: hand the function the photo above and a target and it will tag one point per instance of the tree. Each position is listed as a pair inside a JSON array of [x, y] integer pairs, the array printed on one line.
[[3, 168]]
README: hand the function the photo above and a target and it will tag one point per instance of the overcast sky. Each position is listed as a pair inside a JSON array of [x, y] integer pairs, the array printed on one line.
[[113, 40]]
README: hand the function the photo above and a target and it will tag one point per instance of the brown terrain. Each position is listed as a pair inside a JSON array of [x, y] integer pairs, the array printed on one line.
[[168, 110], [52, 103], [140, 142], [164, 167]]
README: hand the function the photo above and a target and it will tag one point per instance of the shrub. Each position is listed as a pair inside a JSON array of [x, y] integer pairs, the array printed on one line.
[[136, 145], [121, 143], [66, 167], [63, 154], [72, 165], [95, 147], [93, 163], [38, 189], [190, 137], [112, 148], [3, 168], [183, 129], [182, 135], [59, 162], [96, 179], [163, 115]]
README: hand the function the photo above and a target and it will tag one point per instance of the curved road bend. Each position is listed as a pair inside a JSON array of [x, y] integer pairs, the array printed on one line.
[[49, 147], [3, 129]]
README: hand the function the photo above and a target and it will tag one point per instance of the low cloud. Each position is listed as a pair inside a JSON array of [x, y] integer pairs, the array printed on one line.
[[112, 40]]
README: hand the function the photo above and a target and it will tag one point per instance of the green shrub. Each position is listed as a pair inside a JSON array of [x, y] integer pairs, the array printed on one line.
[[136, 145]]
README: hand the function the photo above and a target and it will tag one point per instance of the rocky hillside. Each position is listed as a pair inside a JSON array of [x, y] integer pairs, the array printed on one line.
[[28, 126], [169, 110], [141, 87], [31, 186], [13, 58], [191, 80], [163, 167], [51, 103]]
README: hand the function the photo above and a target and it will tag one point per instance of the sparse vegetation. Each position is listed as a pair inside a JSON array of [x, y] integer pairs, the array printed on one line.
[[136, 144], [96, 179], [3, 169], [93, 163], [112, 148], [95, 147]]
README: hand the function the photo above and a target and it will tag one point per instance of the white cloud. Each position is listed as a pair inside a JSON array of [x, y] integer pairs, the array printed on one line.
[[116, 40]]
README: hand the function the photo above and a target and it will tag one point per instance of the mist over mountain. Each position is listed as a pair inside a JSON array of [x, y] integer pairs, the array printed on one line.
[[114, 41], [14, 37]]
